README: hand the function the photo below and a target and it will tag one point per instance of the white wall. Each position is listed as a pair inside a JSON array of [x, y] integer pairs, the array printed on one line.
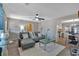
[[14, 25], [48, 24], [52, 24]]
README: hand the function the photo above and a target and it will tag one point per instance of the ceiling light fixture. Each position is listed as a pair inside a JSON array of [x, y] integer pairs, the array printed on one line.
[[38, 18]]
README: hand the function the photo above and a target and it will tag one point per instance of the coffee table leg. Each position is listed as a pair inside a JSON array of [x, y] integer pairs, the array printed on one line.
[[39, 44], [44, 46]]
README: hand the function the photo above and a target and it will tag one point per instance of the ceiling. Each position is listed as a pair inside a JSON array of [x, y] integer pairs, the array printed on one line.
[[50, 10]]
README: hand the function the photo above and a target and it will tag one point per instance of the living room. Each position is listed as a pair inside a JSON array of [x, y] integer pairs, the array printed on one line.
[[39, 29]]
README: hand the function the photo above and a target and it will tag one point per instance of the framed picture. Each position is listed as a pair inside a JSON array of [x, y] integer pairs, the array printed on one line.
[[29, 27]]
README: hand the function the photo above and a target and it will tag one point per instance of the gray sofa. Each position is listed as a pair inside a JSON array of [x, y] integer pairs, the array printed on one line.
[[26, 41], [36, 36]]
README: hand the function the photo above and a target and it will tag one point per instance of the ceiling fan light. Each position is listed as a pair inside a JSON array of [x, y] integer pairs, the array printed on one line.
[[36, 19], [37, 16]]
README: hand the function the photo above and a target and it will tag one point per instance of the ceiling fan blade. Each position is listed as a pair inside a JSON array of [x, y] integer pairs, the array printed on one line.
[[41, 18], [37, 17]]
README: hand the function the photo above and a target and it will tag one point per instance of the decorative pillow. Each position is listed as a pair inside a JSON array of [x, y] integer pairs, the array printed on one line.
[[35, 36], [32, 35], [39, 34], [25, 35]]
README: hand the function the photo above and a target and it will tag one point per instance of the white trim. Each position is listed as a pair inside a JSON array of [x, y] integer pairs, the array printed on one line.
[[26, 18], [72, 20]]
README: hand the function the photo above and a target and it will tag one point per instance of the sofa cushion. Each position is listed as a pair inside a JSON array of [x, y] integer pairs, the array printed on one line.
[[28, 41], [31, 34], [39, 35], [35, 36], [25, 35]]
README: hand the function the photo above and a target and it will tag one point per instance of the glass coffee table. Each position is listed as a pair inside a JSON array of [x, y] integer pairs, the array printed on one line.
[[45, 42]]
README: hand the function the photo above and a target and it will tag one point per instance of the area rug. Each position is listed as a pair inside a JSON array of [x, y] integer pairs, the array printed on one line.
[[52, 49]]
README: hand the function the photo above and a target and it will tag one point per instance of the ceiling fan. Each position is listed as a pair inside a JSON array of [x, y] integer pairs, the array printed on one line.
[[38, 18]]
